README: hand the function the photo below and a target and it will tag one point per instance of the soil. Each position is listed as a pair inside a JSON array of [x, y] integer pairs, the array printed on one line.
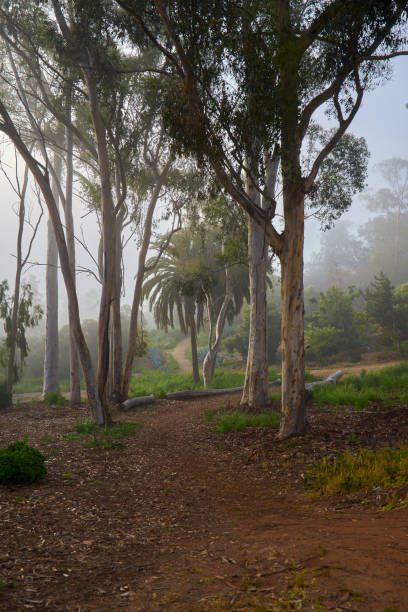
[[186, 519], [179, 354]]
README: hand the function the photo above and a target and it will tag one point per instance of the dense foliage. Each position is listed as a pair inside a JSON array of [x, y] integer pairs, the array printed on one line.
[[20, 462]]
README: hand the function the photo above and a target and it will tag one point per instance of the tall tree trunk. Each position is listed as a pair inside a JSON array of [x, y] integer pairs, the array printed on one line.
[[108, 236], [12, 337], [51, 373], [74, 369], [256, 390], [193, 340], [137, 294], [293, 419], [213, 347], [116, 323]]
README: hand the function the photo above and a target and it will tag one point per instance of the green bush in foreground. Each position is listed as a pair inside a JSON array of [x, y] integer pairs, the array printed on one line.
[[21, 463], [237, 421], [348, 472]]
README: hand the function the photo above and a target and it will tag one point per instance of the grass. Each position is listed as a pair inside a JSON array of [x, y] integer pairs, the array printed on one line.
[[161, 383], [362, 470], [388, 386], [100, 437], [35, 385], [238, 420]]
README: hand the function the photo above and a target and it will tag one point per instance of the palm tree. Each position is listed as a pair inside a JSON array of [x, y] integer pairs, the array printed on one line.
[[173, 286]]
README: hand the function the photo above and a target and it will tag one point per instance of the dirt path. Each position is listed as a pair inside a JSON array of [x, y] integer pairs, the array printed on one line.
[[179, 354], [352, 370], [184, 519]]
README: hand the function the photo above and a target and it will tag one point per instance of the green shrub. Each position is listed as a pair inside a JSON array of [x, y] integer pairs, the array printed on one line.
[[21, 463], [5, 396], [53, 398]]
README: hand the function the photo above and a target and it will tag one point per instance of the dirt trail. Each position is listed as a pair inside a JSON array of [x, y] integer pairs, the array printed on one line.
[[186, 520], [179, 354], [352, 370]]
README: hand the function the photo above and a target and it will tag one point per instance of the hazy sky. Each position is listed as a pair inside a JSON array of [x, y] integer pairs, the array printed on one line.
[[382, 120]]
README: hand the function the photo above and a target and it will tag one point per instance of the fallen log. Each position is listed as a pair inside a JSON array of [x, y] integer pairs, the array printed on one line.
[[333, 378], [132, 402], [195, 393]]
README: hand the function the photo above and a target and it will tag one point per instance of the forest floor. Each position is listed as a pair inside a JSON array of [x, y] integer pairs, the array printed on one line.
[[186, 519]]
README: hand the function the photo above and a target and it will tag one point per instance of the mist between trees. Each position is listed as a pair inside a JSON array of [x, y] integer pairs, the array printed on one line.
[[211, 112]]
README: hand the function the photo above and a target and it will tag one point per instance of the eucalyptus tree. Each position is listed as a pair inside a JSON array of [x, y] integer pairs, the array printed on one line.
[[289, 58]]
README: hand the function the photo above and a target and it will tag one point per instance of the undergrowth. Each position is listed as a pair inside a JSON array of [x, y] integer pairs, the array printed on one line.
[[35, 385], [362, 470], [388, 386], [238, 420], [96, 436], [53, 398]]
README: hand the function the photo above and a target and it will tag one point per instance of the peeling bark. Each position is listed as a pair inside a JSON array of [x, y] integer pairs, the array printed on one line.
[[293, 349]]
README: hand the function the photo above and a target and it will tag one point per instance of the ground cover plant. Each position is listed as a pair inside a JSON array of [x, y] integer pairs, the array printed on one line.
[[103, 437], [388, 386], [237, 420], [35, 385], [364, 469], [52, 398]]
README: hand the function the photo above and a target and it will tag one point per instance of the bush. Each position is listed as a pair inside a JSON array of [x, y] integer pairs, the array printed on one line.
[[53, 398], [21, 463], [156, 357], [5, 396]]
